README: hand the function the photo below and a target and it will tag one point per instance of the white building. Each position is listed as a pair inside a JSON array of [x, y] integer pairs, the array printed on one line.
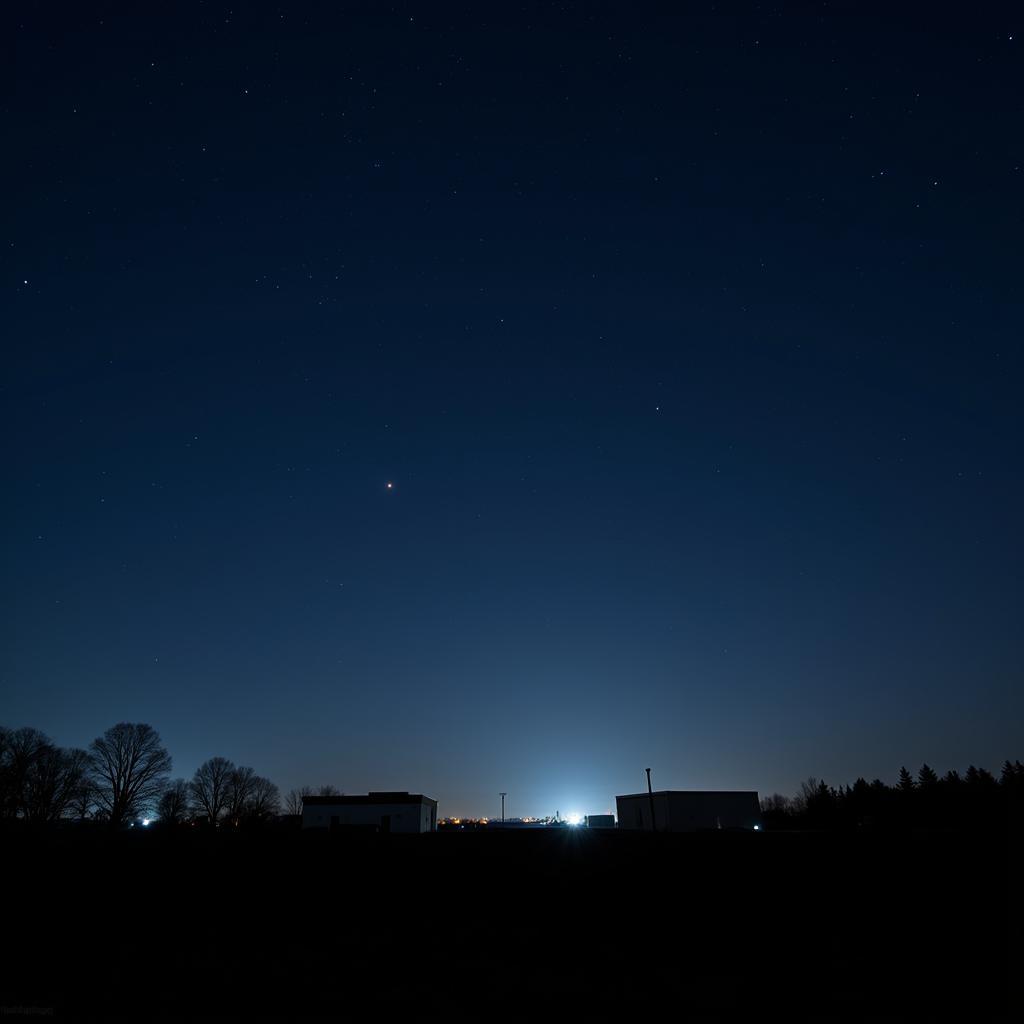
[[385, 812], [677, 810]]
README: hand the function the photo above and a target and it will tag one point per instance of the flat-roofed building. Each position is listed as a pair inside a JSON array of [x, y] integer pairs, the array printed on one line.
[[689, 810], [382, 812]]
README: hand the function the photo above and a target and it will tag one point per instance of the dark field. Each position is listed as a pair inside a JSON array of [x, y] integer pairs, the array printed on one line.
[[815, 926]]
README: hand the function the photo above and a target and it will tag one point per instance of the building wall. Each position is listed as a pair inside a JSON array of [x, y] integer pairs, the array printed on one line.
[[404, 817], [429, 818], [689, 811]]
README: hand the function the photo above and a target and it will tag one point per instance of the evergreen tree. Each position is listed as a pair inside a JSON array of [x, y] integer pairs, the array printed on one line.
[[906, 782], [980, 778], [821, 805], [926, 776]]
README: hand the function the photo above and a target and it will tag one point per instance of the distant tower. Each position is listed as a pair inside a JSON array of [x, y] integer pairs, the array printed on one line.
[[503, 795]]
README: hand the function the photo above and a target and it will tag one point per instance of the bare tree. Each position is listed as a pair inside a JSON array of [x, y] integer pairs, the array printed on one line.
[[264, 800], [37, 778], [129, 766], [173, 807], [776, 804], [293, 801], [20, 750], [807, 790], [210, 787], [55, 778], [83, 800], [239, 789], [8, 788]]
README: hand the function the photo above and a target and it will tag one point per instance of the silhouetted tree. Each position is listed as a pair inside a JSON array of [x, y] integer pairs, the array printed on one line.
[[293, 801], [8, 785], [174, 805], [239, 789], [38, 780], [56, 777], [129, 766], [979, 778], [821, 805], [776, 811], [210, 785], [861, 806], [807, 790], [263, 802], [83, 800], [977, 801], [19, 751], [1012, 773], [1011, 782]]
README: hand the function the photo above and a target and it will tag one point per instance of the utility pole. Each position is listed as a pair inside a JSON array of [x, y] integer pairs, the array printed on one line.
[[650, 796], [503, 795]]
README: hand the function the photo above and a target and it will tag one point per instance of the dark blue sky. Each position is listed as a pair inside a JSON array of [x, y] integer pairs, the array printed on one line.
[[689, 339]]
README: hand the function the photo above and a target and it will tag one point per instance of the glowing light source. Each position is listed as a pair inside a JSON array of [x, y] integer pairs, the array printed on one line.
[[146, 821], [574, 819], [757, 828]]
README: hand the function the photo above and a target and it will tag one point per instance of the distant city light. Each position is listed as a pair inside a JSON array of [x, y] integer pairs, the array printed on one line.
[[146, 821], [575, 819]]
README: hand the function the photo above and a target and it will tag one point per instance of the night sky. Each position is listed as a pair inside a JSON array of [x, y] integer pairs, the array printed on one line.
[[687, 338]]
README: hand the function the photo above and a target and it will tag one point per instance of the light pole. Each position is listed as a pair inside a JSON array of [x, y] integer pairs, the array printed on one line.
[[650, 796], [503, 795]]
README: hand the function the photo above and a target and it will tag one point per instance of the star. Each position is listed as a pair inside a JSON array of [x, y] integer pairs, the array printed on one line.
[[389, 486]]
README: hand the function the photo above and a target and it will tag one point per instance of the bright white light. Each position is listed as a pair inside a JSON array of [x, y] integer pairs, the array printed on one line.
[[757, 828], [146, 821], [575, 819]]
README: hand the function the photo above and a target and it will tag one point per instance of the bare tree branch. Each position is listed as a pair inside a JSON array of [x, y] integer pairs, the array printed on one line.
[[210, 787], [129, 766], [174, 806]]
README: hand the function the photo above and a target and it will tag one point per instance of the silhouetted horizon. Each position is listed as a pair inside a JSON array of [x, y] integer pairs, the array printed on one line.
[[207, 790]]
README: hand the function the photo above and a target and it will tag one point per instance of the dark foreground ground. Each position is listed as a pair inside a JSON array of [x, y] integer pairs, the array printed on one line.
[[812, 926]]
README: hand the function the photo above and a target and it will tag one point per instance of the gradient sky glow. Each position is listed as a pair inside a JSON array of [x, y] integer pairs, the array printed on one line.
[[689, 342]]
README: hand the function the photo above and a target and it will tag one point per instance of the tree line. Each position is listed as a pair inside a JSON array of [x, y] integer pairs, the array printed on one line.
[[126, 773], [976, 799]]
